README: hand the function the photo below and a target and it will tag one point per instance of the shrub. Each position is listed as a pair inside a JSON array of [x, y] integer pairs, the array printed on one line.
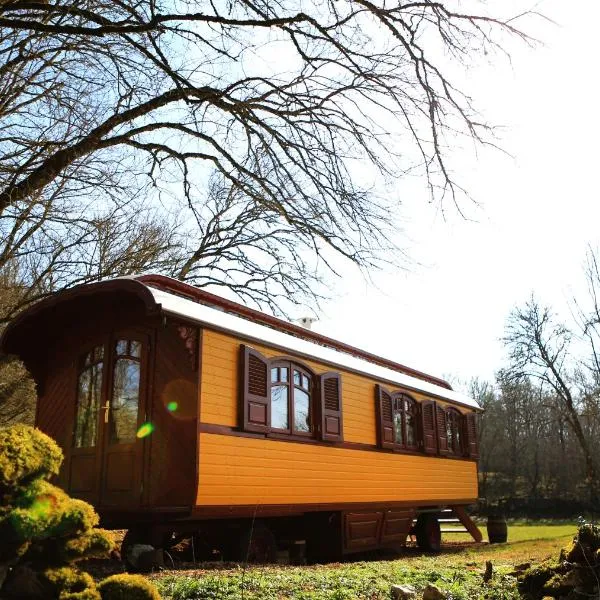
[[67, 580], [40, 525], [26, 454], [127, 587], [43, 511]]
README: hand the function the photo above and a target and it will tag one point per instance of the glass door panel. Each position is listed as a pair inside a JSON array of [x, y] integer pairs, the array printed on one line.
[[83, 464], [124, 406]]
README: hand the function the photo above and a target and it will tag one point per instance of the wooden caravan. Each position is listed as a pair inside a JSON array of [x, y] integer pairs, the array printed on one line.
[[179, 411]]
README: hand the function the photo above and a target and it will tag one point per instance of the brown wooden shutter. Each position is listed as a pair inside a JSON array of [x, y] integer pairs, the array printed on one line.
[[472, 445], [331, 407], [428, 426], [255, 390], [385, 417], [442, 434]]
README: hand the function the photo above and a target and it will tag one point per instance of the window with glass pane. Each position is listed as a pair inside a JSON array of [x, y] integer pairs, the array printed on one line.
[[279, 398], [301, 400], [411, 422], [405, 433], [453, 423], [125, 393], [89, 391], [290, 399], [398, 425]]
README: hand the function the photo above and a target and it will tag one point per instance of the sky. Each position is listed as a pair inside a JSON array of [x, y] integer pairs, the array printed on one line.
[[444, 311]]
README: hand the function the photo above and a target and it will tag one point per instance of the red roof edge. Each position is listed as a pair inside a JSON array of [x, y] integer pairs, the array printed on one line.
[[199, 295]]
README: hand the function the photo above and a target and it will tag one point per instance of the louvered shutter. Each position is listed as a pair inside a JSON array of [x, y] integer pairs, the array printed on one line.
[[472, 445], [331, 407], [428, 426], [442, 434], [255, 390], [385, 417]]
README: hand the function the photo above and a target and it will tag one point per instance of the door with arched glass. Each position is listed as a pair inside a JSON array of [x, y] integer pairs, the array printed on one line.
[[107, 452]]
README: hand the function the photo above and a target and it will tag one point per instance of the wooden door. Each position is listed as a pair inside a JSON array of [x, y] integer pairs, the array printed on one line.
[[107, 454], [123, 416]]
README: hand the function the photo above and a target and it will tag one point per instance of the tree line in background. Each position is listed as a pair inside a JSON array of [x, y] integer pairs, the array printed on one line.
[[539, 431]]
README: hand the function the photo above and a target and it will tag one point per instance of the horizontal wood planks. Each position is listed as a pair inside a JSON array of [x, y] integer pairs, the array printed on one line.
[[240, 470]]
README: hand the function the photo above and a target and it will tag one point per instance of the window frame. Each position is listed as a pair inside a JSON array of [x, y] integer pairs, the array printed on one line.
[[110, 357], [403, 399], [386, 418], [82, 367], [292, 365], [115, 357]]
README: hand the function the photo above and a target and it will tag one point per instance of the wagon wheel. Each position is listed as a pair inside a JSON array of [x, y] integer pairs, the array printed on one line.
[[429, 536], [257, 545]]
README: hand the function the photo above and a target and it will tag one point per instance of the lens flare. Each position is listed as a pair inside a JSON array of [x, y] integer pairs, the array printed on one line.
[[145, 430], [172, 406], [42, 507]]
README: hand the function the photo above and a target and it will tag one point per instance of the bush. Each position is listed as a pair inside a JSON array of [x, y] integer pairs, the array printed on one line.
[[66, 580], [43, 530], [127, 587], [26, 454], [43, 511]]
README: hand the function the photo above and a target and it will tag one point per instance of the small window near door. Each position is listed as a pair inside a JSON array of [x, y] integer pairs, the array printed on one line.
[[89, 391], [125, 393]]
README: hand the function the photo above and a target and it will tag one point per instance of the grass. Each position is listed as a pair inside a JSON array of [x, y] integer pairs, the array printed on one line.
[[457, 571]]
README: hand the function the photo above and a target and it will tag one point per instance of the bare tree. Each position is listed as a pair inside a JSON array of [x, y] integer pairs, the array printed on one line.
[[113, 113], [540, 349]]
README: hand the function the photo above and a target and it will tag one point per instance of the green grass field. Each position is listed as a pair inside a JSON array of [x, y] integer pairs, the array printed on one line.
[[457, 571]]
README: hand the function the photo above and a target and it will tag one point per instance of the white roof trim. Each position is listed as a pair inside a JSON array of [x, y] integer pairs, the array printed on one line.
[[214, 317]]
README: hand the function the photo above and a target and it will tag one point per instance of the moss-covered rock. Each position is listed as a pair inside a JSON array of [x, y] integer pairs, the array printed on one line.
[[26, 454], [127, 587], [561, 584], [588, 536], [572, 552], [532, 581]]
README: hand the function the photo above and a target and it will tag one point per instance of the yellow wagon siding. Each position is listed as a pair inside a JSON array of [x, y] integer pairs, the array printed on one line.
[[237, 470], [242, 470]]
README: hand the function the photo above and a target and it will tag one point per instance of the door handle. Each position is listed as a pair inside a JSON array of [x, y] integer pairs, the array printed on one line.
[[106, 408]]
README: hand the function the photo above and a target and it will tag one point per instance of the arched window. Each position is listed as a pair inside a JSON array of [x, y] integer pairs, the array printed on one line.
[[397, 420], [281, 396], [405, 421], [454, 431], [291, 395], [89, 392]]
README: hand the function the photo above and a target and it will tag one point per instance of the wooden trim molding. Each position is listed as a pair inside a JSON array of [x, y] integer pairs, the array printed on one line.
[[287, 510], [282, 437], [181, 514]]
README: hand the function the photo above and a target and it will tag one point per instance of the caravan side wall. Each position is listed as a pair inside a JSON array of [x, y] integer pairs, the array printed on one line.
[[241, 469]]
